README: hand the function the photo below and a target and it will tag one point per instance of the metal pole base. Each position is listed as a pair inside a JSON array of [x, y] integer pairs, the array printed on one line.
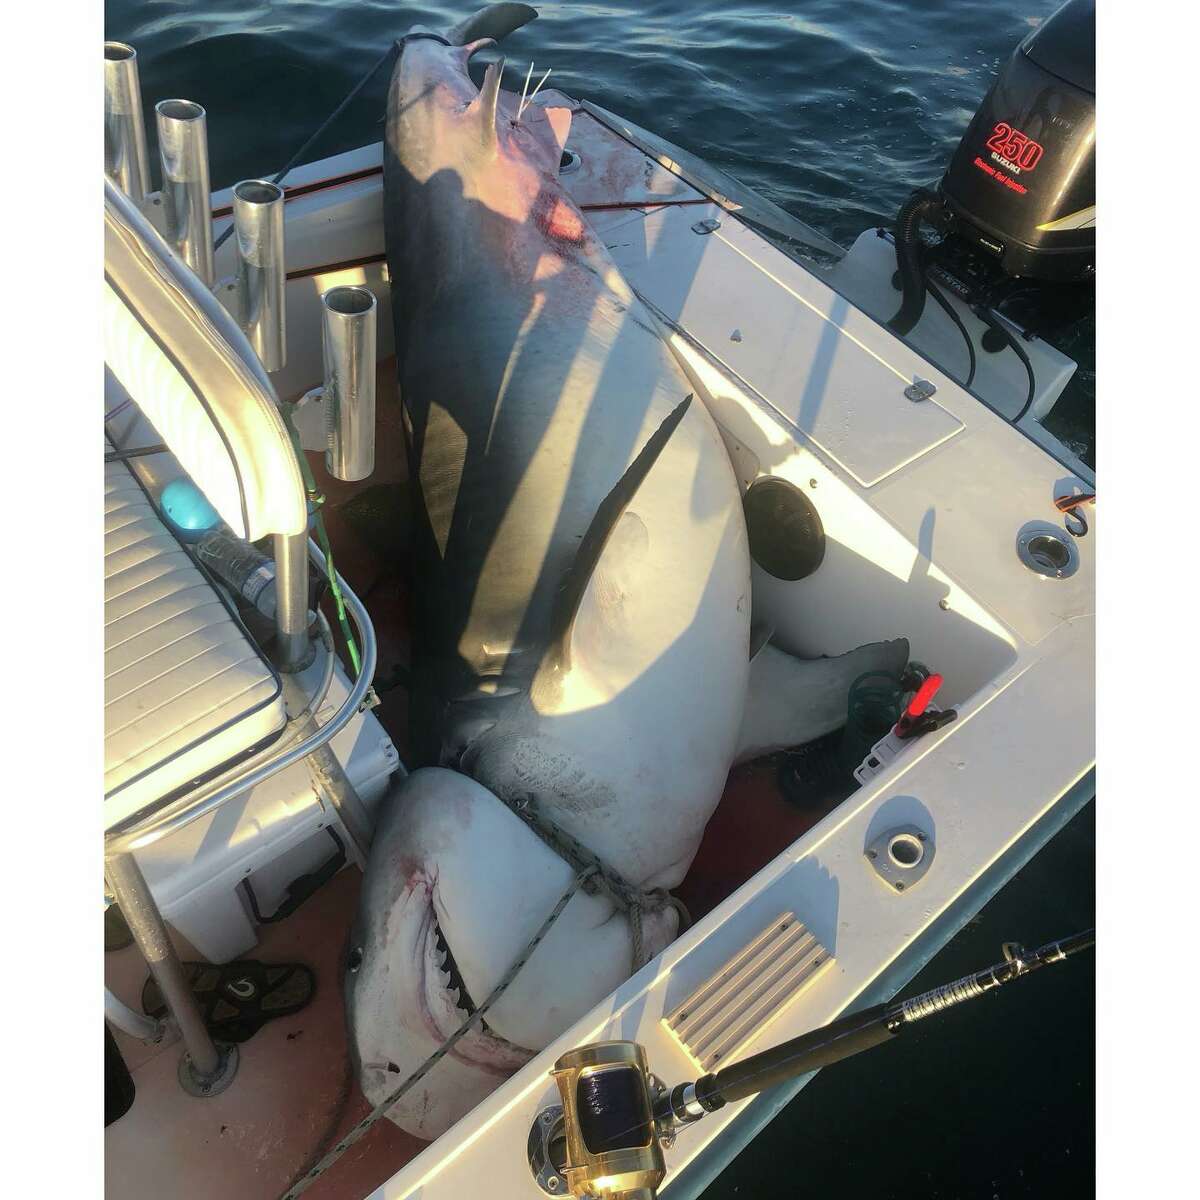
[[132, 893], [204, 1086]]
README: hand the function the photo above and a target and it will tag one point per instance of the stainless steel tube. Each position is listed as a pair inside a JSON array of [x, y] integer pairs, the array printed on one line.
[[187, 193], [349, 318], [291, 601], [331, 781], [126, 161], [208, 1067], [136, 1024], [258, 222]]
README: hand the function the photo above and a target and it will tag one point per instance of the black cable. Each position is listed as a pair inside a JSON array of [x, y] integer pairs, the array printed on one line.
[[986, 316], [136, 452], [936, 293], [329, 120]]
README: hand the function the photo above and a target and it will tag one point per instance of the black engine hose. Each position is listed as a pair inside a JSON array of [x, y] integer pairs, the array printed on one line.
[[922, 205], [986, 316], [936, 293]]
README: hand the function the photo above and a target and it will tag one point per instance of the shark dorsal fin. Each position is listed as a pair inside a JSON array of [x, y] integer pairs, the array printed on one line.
[[495, 21], [489, 100], [591, 547]]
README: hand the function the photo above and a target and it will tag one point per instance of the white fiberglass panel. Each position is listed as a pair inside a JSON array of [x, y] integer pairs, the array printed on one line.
[[793, 350]]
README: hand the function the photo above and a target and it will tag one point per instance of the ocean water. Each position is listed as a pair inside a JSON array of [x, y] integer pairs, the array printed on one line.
[[834, 109]]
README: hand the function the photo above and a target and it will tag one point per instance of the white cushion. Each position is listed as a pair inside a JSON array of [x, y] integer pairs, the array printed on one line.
[[185, 692]]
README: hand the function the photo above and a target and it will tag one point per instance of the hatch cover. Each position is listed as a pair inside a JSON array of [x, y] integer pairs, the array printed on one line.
[[780, 329]]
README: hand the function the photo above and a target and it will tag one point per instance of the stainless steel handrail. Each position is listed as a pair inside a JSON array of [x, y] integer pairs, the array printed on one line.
[[212, 361], [178, 352], [137, 834]]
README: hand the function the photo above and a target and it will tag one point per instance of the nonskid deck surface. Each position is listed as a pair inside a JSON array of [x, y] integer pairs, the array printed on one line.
[[295, 1091]]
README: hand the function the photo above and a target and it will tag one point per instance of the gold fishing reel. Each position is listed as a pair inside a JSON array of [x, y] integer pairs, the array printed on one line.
[[603, 1143]]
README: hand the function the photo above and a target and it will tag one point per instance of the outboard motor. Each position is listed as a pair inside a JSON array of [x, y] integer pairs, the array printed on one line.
[[1022, 183], [1018, 202]]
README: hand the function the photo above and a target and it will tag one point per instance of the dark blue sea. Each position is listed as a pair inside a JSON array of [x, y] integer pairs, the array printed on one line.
[[834, 109]]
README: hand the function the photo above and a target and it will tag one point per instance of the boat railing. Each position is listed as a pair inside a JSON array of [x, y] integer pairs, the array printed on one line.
[[193, 372], [195, 376]]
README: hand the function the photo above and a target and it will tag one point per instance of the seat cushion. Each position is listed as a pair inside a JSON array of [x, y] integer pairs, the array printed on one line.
[[186, 693]]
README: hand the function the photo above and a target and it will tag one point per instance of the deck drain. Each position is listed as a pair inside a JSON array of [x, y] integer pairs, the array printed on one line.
[[1047, 550], [905, 850], [900, 856]]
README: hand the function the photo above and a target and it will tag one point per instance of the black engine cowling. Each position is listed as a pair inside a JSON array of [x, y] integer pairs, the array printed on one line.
[[1022, 183]]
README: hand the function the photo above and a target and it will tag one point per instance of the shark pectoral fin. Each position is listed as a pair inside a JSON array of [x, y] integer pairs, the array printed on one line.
[[591, 547], [790, 701], [495, 21]]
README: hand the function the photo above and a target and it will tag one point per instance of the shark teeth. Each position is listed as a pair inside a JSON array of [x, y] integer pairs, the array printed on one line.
[[449, 976]]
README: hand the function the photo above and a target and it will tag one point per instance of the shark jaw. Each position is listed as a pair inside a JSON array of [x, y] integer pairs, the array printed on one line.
[[408, 998]]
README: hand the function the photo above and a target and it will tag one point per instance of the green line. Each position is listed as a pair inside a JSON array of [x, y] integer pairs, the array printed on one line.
[[318, 498]]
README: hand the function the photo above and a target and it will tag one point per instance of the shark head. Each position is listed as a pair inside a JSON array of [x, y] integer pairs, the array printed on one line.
[[455, 888]]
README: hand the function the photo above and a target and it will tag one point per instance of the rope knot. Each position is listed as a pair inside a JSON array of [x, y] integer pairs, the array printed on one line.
[[596, 875]]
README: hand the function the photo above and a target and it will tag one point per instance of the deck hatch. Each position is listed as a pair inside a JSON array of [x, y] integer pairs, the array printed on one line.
[[823, 366], [751, 989]]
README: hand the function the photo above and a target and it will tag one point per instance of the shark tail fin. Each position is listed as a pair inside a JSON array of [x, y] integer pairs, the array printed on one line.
[[495, 21], [570, 596]]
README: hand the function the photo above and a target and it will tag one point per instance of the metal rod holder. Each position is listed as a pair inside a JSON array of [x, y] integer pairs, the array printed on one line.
[[261, 283], [126, 160], [187, 191], [349, 332], [295, 651], [206, 1068]]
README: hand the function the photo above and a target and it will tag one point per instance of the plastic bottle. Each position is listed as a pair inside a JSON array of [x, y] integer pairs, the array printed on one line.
[[247, 571]]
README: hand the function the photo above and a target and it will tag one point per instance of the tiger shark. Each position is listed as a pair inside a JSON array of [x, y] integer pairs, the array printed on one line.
[[582, 597]]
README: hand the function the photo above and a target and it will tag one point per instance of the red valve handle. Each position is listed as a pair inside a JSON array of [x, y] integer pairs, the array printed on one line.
[[925, 694]]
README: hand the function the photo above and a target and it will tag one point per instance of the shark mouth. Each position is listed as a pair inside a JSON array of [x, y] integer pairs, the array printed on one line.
[[441, 1004], [446, 1003], [456, 987]]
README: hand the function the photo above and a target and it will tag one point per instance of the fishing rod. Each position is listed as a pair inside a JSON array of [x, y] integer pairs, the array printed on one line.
[[491, 23], [387, 56], [607, 1138]]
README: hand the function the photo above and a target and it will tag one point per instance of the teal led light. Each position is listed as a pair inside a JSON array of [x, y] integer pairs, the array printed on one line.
[[186, 510]]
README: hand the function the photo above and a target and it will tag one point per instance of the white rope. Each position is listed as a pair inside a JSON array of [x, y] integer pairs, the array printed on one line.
[[526, 103], [521, 106]]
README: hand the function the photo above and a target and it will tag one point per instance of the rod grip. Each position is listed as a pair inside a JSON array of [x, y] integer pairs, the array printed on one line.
[[831, 1043]]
